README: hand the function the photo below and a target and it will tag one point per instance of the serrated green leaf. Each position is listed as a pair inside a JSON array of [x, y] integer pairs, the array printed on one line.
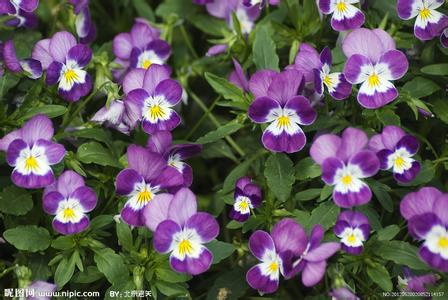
[[51, 111], [94, 152], [388, 233], [220, 133], [401, 253], [307, 169], [124, 235], [279, 174], [28, 237], [308, 194], [15, 201], [64, 271], [226, 89], [379, 274], [381, 192], [325, 215], [220, 250], [111, 265], [264, 50]]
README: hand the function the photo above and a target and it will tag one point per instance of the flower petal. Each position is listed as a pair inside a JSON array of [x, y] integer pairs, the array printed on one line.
[[353, 140], [313, 273], [262, 108], [260, 81], [325, 146], [170, 89], [81, 54], [126, 180], [157, 210], [260, 282], [302, 106], [419, 202], [68, 182], [350, 199], [367, 162], [71, 228], [329, 168], [205, 225], [86, 196], [41, 52], [163, 236], [60, 45], [122, 45], [183, 206], [191, 265], [38, 127], [54, 152], [289, 236], [260, 242], [50, 202]]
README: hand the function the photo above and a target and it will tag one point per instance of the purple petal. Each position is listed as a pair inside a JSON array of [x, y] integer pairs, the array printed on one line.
[[444, 38], [284, 142], [313, 273], [163, 236], [303, 109], [38, 127], [342, 90], [53, 73], [54, 152], [32, 68], [289, 236], [28, 5], [378, 99], [78, 90], [325, 57], [410, 174], [306, 60], [161, 48], [260, 81], [420, 225], [41, 52], [353, 141], [168, 178], [259, 242], [406, 9], [216, 50], [156, 211], [9, 138], [410, 143], [122, 45], [353, 67], [162, 125], [133, 80], [160, 142], [418, 283], [316, 236], [186, 150], [285, 85], [432, 30], [142, 34], [71, 228], [183, 206], [419, 202], [353, 218], [352, 250], [238, 77], [68, 182], [347, 23], [32, 181], [60, 45], [147, 164], [260, 282], [154, 75], [434, 260], [170, 89], [133, 217], [81, 54], [351, 199], [14, 150], [205, 225], [260, 110], [391, 135], [376, 143], [237, 216], [441, 208], [83, 23], [329, 168], [86, 196], [367, 161], [193, 266], [50, 202], [126, 181], [242, 182], [323, 252], [325, 146], [6, 7], [10, 57], [396, 62]]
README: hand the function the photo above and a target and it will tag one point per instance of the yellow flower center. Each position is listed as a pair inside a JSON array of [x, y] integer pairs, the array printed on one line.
[[341, 7], [69, 213], [185, 247], [144, 196], [283, 121], [443, 242], [351, 238], [71, 76], [374, 80], [146, 64], [244, 205], [273, 267], [399, 162], [327, 80], [346, 180], [31, 164], [425, 13], [156, 112]]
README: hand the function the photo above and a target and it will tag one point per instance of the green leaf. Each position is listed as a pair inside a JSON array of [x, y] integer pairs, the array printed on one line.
[[97, 134], [307, 169], [220, 250], [441, 110], [437, 69], [388, 233], [166, 274], [239, 171], [381, 192], [388, 117], [234, 225], [124, 235], [309, 194], [64, 242], [51, 111], [326, 192], [252, 223], [111, 265], [93, 152], [220, 133], [230, 285], [420, 87], [179, 8], [212, 26], [90, 274], [226, 89], [279, 174], [171, 289], [143, 9], [379, 274], [325, 215], [28, 237], [15, 201], [427, 173], [264, 52], [64, 271], [401, 253]]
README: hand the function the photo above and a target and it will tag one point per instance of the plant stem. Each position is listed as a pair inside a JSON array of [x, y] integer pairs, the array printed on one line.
[[188, 41], [204, 116], [216, 122]]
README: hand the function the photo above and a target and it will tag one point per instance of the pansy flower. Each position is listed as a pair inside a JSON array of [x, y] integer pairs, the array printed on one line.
[[429, 23], [278, 103], [85, 27], [65, 61], [395, 150], [416, 283], [312, 262], [336, 84], [345, 15], [30, 67], [68, 199], [273, 250], [345, 162], [181, 231], [247, 196], [147, 175], [374, 63], [162, 142], [306, 61], [238, 77], [353, 229], [113, 116], [150, 98], [141, 47], [21, 12], [427, 214], [32, 153]]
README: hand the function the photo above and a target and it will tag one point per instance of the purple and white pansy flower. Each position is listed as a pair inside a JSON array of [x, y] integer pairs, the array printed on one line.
[[416, 283], [345, 15], [21, 11], [32, 153], [274, 251], [247, 196], [338, 87], [162, 142], [353, 229], [113, 116], [429, 22], [373, 62], [345, 162], [278, 103], [68, 199], [312, 262], [85, 27], [147, 175], [30, 67], [395, 150], [180, 230], [427, 214], [150, 98], [65, 60]]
